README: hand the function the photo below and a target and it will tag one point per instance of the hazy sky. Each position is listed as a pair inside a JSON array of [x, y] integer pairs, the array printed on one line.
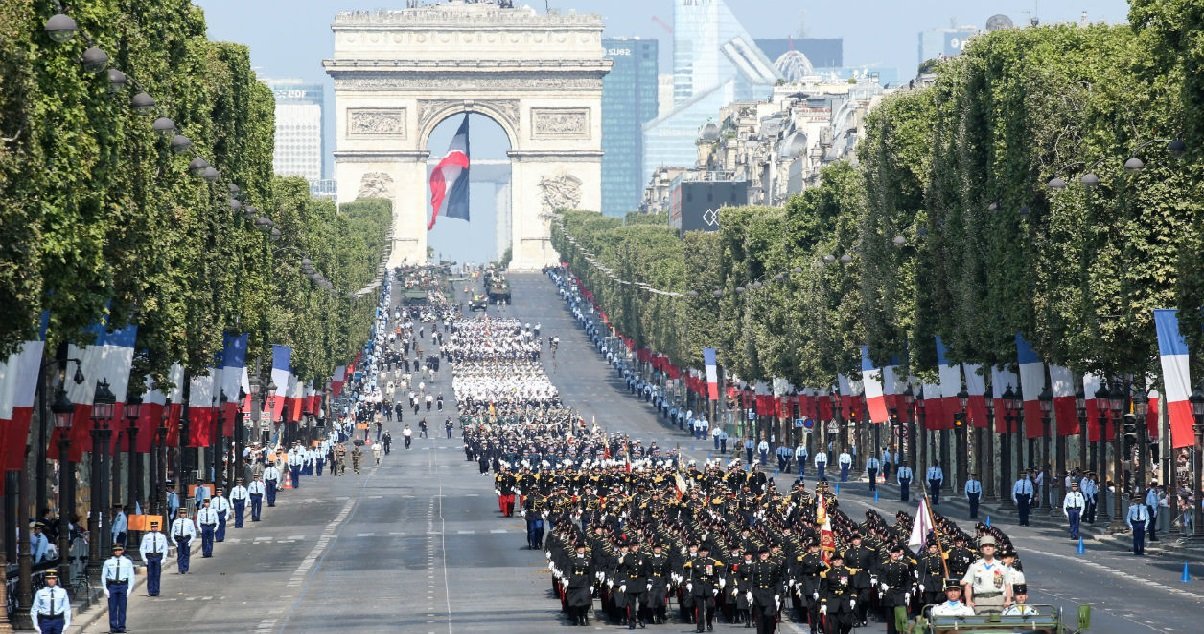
[[290, 38]]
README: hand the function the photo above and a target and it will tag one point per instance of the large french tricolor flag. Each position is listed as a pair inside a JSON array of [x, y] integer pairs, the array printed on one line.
[[202, 407], [336, 382], [894, 384], [976, 387], [951, 384], [934, 408], [108, 359], [875, 398], [1001, 379], [233, 375], [1176, 376], [1032, 382], [449, 179], [18, 384], [1065, 402], [1096, 411], [712, 367], [175, 407], [154, 403], [293, 399], [282, 377]]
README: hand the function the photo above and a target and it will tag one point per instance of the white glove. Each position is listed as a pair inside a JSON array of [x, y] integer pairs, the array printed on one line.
[[722, 582], [547, 554], [689, 587], [906, 598], [735, 591], [610, 583], [649, 586], [777, 600], [497, 491], [921, 587], [823, 609], [852, 603], [623, 588], [884, 588], [748, 595], [815, 595], [564, 583], [522, 513], [551, 566], [715, 591], [792, 583]]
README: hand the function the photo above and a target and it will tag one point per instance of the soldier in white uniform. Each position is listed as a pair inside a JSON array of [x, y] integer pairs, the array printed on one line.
[[221, 505], [255, 492], [953, 605], [117, 575]]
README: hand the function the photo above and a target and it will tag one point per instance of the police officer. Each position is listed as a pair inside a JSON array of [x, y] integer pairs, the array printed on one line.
[[936, 477], [117, 575], [1022, 495], [973, 490], [221, 506], [51, 610], [271, 479], [207, 520], [153, 550], [238, 498], [255, 492], [1072, 506], [903, 476], [1137, 517], [183, 531]]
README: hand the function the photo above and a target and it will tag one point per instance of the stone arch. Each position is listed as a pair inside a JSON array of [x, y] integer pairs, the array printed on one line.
[[505, 113]]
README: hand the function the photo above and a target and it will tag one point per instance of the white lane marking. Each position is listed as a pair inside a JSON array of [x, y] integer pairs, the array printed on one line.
[[498, 531], [466, 532], [365, 534]]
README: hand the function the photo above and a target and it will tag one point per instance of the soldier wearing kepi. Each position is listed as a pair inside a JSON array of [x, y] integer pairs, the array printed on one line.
[[183, 531], [632, 573], [271, 479], [895, 580], [153, 550], [579, 581], [238, 499], [703, 576], [117, 575], [953, 605], [206, 519], [766, 588], [659, 570], [255, 492], [838, 597], [51, 610], [221, 506]]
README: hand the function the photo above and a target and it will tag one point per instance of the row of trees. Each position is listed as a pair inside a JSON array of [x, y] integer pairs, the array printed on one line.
[[100, 213], [948, 224]]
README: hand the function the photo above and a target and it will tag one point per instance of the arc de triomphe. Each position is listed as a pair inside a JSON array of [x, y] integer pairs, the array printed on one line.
[[400, 73]]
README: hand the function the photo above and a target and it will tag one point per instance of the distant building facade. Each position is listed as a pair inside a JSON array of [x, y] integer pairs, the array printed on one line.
[[299, 137], [936, 43], [630, 98]]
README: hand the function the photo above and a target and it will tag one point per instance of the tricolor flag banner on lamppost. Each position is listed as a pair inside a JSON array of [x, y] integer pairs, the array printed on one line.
[[976, 387], [336, 383], [875, 397], [1032, 382], [1065, 403], [1176, 376], [1001, 379], [449, 179], [950, 375], [108, 358], [281, 378], [233, 370], [18, 385], [712, 369]]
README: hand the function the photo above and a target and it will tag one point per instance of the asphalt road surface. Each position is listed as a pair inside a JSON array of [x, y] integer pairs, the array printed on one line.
[[417, 544]]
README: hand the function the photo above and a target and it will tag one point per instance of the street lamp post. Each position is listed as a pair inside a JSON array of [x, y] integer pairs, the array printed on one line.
[[159, 471], [1197, 412], [1141, 407], [909, 400], [218, 452], [923, 449], [1101, 466], [963, 441], [1116, 402], [989, 432], [842, 434], [133, 411], [240, 433], [1080, 400], [270, 400], [1046, 400], [64, 413], [1010, 407], [102, 413]]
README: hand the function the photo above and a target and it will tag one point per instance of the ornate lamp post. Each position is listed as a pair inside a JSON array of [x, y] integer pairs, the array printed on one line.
[[1046, 400], [1141, 406], [270, 399], [159, 463], [64, 413], [838, 421], [1197, 412], [988, 481], [909, 399], [99, 538], [219, 470], [1101, 463], [1080, 403], [919, 422], [133, 410], [1012, 401], [239, 440], [1116, 403], [963, 441]]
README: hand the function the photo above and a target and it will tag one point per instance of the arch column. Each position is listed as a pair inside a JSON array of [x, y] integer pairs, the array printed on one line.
[[400, 177], [544, 182]]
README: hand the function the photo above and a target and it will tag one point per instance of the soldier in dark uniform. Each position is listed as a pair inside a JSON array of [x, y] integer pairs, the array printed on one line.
[[704, 580], [895, 581], [931, 575], [579, 582], [862, 560], [838, 597], [767, 589], [659, 571], [632, 578], [741, 587], [808, 569], [959, 557]]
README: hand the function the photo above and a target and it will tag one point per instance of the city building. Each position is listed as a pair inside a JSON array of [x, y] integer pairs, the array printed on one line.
[[826, 52], [937, 43], [299, 136], [715, 61], [696, 196], [630, 98]]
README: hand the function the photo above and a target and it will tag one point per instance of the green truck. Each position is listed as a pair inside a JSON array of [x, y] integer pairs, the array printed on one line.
[[1047, 619], [499, 291]]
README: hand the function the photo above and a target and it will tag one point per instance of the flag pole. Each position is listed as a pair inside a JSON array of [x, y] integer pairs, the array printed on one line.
[[937, 533]]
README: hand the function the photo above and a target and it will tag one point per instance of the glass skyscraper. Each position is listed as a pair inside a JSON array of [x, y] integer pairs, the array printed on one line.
[[299, 141], [629, 100], [715, 62]]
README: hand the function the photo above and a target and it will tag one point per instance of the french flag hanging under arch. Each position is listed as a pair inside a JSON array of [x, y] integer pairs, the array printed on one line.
[[449, 179]]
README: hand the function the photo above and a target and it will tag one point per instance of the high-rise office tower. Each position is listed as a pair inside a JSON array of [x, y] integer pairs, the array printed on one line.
[[629, 100], [299, 138]]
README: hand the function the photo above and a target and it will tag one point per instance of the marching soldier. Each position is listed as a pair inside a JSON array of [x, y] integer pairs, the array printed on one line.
[[255, 492], [931, 575], [632, 575], [838, 597], [51, 609], [809, 569], [271, 480], [704, 580], [895, 579], [578, 585], [207, 520], [766, 592], [659, 571], [861, 559], [184, 532], [117, 575], [238, 498], [221, 506], [153, 550]]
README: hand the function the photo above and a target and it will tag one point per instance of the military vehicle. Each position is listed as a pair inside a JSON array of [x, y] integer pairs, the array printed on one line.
[[478, 302], [1046, 619], [499, 291]]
